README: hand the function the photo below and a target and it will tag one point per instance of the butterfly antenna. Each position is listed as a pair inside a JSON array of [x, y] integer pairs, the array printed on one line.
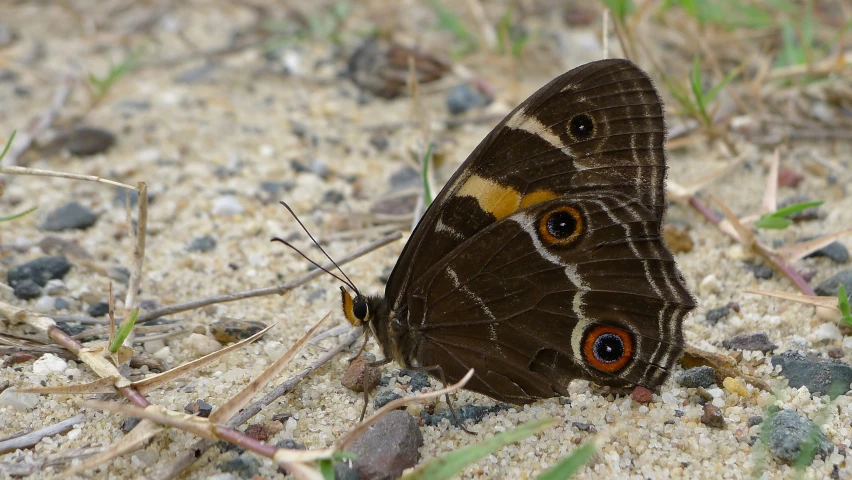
[[349, 282]]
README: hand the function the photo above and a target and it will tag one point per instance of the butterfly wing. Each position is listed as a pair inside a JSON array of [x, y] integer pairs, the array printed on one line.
[[597, 127], [527, 307]]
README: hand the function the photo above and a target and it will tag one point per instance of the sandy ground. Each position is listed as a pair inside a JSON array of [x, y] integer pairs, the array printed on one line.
[[234, 128]]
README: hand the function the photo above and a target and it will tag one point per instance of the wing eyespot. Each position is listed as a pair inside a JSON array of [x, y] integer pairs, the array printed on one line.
[[607, 348], [560, 226], [581, 127]]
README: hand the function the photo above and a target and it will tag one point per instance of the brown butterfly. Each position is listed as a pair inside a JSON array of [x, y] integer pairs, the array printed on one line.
[[542, 259]]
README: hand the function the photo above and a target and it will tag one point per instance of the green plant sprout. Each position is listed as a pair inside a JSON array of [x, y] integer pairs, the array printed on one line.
[[843, 305], [448, 20], [102, 85], [427, 191], [695, 100], [621, 9], [3, 155], [511, 38], [123, 331], [568, 466], [778, 219]]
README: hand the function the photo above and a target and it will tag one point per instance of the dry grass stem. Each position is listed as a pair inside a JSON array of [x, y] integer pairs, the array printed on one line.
[[71, 176], [31, 439]]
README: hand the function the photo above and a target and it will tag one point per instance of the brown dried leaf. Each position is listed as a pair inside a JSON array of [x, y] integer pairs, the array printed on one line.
[[724, 365]]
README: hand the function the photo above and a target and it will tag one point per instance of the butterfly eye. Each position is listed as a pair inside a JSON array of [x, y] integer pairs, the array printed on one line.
[[359, 308], [582, 127], [607, 348], [560, 226]]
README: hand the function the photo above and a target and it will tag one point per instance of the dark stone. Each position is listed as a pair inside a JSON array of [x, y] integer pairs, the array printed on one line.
[[291, 444], [464, 97], [417, 380], [332, 196], [641, 394], [71, 216], [828, 287], [258, 432], [836, 251], [384, 397], [818, 375], [230, 331], [757, 342], [754, 420], [405, 178], [282, 417], [789, 435], [380, 142], [474, 413], [273, 188], [71, 328], [246, 466], [343, 471], [702, 376], [584, 427], [202, 244], [61, 303], [84, 141], [388, 447], [27, 290], [199, 408], [712, 416], [759, 271], [39, 271], [119, 274], [835, 352], [716, 314], [99, 309], [129, 423]]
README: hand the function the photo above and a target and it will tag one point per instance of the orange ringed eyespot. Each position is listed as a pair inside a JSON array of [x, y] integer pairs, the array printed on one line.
[[560, 226], [608, 348]]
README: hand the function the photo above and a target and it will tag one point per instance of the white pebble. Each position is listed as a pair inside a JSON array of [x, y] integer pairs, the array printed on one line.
[[154, 345], [148, 155], [49, 363], [710, 284], [202, 344], [266, 150], [827, 332], [847, 343], [227, 205], [74, 433], [18, 401], [45, 304], [162, 353], [55, 287]]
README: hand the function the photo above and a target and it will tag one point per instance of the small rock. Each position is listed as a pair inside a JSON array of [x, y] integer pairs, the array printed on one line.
[[754, 420], [385, 397], [715, 314], [464, 97], [232, 330], [53, 245], [27, 290], [199, 408], [388, 447], [468, 412], [60, 303], [18, 401], [735, 385], [702, 376], [835, 352], [641, 394], [360, 376], [759, 271], [71, 216], [49, 363], [227, 206], [756, 342], [55, 287], [332, 197], [40, 271], [828, 332], [417, 380], [71, 328], [18, 357], [789, 432], [404, 178], [828, 287], [584, 427], [290, 444], [99, 309], [246, 466], [712, 416], [201, 344], [380, 142], [202, 244], [677, 238], [274, 188], [787, 177], [282, 417], [257, 432], [119, 274], [836, 251], [710, 284], [343, 471], [45, 304], [315, 166], [85, 141], [822, 376], [129, 423]]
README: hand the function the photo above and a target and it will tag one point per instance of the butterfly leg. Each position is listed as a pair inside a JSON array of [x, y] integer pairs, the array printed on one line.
[[376, 364], [363, 346], [440, 371]]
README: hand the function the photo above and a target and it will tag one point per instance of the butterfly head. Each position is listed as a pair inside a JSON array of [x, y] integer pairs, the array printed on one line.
[[356, 309]]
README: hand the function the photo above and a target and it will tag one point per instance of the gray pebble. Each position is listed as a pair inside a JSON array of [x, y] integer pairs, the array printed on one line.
[[27, 290], [758, 342], [98, 309], [464, 97], [818, 375], [828, 287], [246, 466], [759, 271], [84, 141], [703, 376], [836, 251], [754, 420], [787, 432], [384, 397], [418, 380], [388, 448], [715, 314], [71, 216], [202, 244], [39, 271]]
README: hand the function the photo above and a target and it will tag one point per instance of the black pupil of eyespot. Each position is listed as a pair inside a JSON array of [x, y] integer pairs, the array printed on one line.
[[359, 309], [561, 224], [582, 126], [609, 348]]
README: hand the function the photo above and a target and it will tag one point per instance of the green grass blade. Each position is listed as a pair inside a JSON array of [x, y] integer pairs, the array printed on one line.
[[8, 145], [796, 208], [449, 21], [843, 304], [427, 192], [452, 463], [123, 331], [569, 465], [773, 222], [713, 92], [621, 9], [697, 90], [18, 215]]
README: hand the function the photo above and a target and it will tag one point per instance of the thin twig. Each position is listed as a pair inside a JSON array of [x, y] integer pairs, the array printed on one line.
[[138, 247], [72, 176], [31, 439]]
